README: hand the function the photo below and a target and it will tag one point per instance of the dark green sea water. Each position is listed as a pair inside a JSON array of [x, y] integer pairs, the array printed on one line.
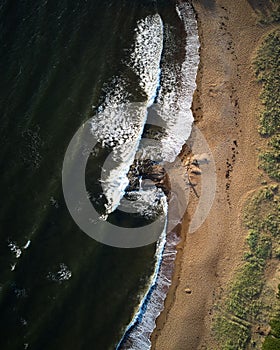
[[60, 289], [54, 59]]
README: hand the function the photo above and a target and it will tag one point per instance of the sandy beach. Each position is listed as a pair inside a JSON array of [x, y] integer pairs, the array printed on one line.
[[225, 108]]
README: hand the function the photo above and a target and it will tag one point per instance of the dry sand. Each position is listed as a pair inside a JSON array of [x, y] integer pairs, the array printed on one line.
[[226, 106]]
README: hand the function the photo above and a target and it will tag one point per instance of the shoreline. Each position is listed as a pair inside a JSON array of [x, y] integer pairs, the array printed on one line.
[[155, 296], [230, 90], [184, 225]]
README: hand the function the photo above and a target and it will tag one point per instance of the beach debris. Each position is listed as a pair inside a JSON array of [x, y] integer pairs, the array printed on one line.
[[199, 159], [195, 170], [188, 291], [192, 184], [192, 162]]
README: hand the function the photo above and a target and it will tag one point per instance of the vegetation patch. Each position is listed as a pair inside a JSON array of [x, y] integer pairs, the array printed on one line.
[[270, 159], [262, 216], [272, 341], [231, 334], [274, 16], [267, 70], [242, 309]]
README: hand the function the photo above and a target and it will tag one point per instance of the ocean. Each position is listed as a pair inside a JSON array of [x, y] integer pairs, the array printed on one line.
[[62, 64]]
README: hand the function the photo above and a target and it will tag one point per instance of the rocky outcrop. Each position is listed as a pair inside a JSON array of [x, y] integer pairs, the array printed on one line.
[[148, 173]]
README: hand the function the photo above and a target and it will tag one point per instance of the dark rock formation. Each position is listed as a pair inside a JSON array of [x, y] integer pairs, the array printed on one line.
[[151, 174]]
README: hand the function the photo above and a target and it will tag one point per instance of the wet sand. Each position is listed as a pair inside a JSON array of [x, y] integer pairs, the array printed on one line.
[[225, 107]]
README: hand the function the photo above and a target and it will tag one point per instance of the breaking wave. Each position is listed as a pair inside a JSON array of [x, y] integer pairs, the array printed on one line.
[[167, 77], [177, 85], [115, 124]]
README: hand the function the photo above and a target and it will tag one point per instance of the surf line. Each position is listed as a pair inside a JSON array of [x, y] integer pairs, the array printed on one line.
[[137, 318], [135, 336]]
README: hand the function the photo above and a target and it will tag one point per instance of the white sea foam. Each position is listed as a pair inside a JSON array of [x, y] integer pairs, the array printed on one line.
[[175, 98], [146, 56], [119, 126], [149, 204], [137, 334], [27, 244], [133, 337], [62, 274], [15, 249], [178, 84]]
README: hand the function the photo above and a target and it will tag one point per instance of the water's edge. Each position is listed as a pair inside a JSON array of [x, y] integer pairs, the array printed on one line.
[[139, 332]]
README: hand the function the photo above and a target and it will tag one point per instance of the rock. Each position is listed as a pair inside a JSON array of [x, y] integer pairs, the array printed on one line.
[[188, 291], [151, 174]]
